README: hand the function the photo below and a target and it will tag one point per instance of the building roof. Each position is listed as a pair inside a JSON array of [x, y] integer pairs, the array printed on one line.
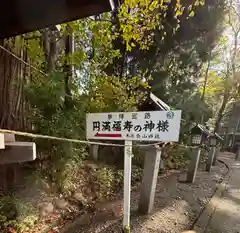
[[21, 16], [159, 103], [153, 103], [201, 128], [218, 136]]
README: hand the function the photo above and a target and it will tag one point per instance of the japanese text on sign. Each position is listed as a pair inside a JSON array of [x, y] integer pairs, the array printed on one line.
[[144, 126]]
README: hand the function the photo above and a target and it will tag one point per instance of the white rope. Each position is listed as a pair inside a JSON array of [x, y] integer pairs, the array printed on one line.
[[40, 136], [32, 135]]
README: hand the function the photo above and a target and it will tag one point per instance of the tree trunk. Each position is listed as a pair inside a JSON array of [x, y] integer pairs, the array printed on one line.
[[49, 43], [222, 109], [12, 112], [68, 68]]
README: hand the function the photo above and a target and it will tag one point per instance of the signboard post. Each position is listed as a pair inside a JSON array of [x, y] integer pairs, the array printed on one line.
[[153, 126], [127, 184]]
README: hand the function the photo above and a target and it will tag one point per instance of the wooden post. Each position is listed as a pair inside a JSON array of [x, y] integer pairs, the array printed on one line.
[[211, 156], [149, 182], [193, 166]]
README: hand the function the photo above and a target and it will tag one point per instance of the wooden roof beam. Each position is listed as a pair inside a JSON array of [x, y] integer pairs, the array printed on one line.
[[22, 16]]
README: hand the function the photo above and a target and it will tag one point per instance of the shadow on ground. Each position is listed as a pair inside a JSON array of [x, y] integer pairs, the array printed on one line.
[[177, 206]]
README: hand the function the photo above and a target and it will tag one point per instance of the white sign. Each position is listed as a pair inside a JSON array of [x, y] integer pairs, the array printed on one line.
[[135, 126]]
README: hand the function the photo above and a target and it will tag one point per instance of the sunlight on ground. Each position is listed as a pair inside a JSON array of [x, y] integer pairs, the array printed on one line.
[[227, 206], [168, 216]]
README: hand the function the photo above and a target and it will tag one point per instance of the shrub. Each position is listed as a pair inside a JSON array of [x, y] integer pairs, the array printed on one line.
[[16, 214], [176, 157]]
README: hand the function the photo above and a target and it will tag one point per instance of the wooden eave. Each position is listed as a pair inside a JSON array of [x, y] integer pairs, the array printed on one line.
[[22, 16]]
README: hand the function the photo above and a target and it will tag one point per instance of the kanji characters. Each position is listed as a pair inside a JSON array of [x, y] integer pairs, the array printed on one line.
[[147, 115], [128, 126], [106, 126], [162, 126], [121, 116], [134, 116], [149, 126], [117, 126], [96, 125], [133, 125]]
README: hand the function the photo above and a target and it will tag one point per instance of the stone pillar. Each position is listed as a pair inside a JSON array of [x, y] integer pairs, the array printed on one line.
[[149, 182], [238, 154], [193, 165], [217, 151], [211, 156], [94, 151]]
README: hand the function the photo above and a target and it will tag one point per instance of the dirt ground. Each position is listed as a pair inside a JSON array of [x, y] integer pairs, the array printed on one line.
[[177, 206]]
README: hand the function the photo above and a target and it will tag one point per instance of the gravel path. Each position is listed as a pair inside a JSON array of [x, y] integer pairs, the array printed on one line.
[[177, 206]]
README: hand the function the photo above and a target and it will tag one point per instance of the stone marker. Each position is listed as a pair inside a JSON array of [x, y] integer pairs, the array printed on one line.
[[94, 151], [217, 151], [210, 159], [193, 165], [149, 182], [18, 152], [238, 154]]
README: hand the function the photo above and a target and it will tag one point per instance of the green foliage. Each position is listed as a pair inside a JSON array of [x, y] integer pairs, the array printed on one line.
[[114, 53], [204, 155], [49, 117], [176, 157], [139, 18], [126, 229], [16, 214], [46, 94], [222, 82], [111, 94], [105, 178], [138, 158], [137, 174]]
